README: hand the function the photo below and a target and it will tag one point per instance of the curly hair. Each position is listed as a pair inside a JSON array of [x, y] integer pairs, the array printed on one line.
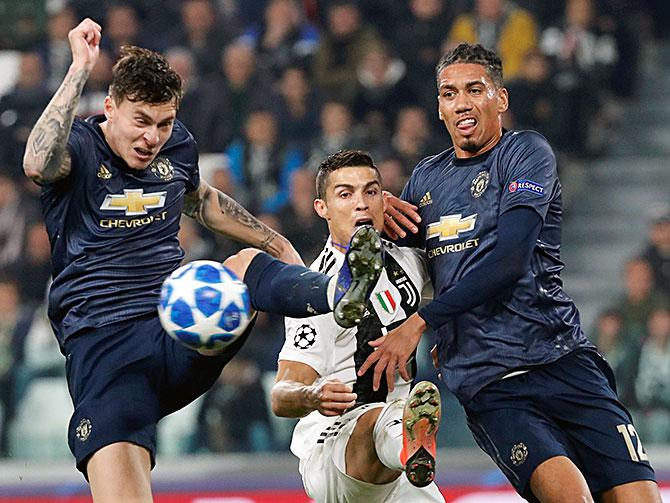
[[477, 54], [144, 75], [341, 159]]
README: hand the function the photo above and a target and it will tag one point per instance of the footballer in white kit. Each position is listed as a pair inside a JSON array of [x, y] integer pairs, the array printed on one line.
[[336, 353]]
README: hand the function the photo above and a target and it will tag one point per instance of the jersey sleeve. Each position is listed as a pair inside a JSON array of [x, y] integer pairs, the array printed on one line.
[[308, 342], [529, 176]]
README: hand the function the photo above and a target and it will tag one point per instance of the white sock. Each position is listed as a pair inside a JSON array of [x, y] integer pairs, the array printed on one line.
[[388, 435]]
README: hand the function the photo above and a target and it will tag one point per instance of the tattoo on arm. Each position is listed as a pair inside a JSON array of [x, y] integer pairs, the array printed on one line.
[[46, 158], [234, 210], [231, 218]]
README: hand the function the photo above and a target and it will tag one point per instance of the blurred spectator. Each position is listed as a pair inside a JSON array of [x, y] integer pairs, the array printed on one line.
[[300, 223], [544, 13], [337, 132], [534, 99], [200, 109], [626, 22], [34, 267], [54, 48], [418, 41], [344, 43], [283, 38], [260, 166], [201, 31], [412, 139], [238, 92], [122, 27], [639, 300], [385, 16], [393, 174], [21, 23], [298, 104], [577, 43], [19, 110], [652, 385], [12, 222], [621, 353], [381, 90], [498, 25], [584, 57], [657, 252], [96, 87], [220, 426], [248, 11]]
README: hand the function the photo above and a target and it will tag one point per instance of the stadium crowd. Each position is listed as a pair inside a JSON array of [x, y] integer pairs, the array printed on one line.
[[274, 86]]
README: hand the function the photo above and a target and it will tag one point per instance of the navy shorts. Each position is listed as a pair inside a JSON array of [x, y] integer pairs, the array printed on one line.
[[567, 408], [126, 376]]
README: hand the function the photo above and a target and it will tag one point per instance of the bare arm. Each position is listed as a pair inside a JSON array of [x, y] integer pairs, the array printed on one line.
[[294, 393], [221, 213], [46, 158]]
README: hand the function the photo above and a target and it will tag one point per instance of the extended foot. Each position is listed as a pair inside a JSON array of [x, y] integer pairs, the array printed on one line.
[[421, 419], [361, 269]]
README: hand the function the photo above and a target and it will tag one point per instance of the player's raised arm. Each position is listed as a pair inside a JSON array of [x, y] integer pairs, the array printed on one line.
[[46, 158], [295, 395], [221, 213]]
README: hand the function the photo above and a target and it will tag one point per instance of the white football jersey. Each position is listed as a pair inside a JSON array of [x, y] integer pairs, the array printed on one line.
[[336, 352]]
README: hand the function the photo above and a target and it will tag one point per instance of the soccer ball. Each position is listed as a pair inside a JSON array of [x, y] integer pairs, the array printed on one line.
[[204, 306]]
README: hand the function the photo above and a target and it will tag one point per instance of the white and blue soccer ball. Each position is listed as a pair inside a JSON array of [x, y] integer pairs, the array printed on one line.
[[204, 306]]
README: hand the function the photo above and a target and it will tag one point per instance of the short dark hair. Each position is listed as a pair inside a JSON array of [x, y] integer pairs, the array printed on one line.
[[341, 159], [477, 54], [144, 75]]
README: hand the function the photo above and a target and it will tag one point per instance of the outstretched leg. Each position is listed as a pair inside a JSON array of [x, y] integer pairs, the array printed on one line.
[[296, 291]]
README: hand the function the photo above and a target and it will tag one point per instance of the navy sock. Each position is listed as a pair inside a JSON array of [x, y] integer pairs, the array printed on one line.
[[286, 289]]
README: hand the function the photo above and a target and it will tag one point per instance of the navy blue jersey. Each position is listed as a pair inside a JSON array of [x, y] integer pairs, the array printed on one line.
[[113, 229], [532, 323]]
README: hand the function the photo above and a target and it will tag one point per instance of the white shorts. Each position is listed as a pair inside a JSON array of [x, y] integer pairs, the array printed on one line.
[[324, 473]]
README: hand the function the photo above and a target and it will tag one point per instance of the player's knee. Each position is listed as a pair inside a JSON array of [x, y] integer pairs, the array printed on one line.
[[239, 263], [558, 480]]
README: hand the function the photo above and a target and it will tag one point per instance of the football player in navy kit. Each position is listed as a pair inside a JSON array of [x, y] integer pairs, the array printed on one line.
[[113, 190], [538, 397]]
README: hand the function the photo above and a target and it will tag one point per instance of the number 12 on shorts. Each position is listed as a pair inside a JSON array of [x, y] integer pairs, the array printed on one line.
[[628, 432]]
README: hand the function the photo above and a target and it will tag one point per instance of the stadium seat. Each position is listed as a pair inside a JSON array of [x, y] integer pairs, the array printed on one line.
[[39, 429]]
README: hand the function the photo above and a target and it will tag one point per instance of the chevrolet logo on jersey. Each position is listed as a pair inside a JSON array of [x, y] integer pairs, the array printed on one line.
[[451, 226], [134, 201]]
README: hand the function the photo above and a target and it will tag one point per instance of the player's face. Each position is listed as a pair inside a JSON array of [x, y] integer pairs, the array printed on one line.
[[136, 131], [353, 197], [470, 105]]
